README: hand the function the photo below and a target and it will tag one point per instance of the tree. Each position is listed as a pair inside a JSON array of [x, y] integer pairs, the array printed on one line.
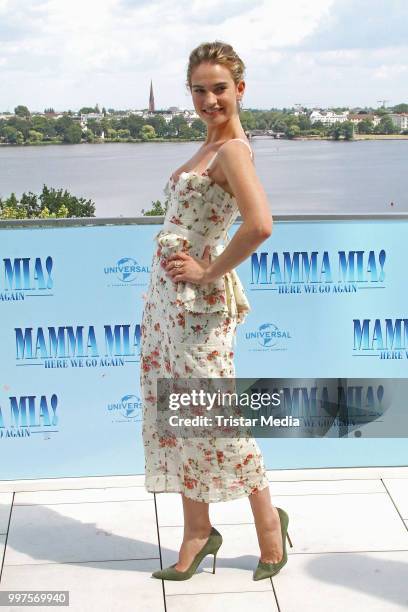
[[90, 136], [73, 134], [157, 209], [134, 124], [293, 131], [304, 122], [279, 125], [35, 136], [159, 124], [10, 134], [176, 124], [77, 207], [148, 132], [95, 126], [386, 126], [124, 134], [22, 111], [69, 130], [336, 130], [85, 110], [401, 108], [45, 125], [348, 130], [365, 127], [111, 134], [247, 120], [50, 203], [185, 131]]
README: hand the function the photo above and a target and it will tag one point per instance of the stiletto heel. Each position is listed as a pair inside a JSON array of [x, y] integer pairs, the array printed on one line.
[[265, 570], [210, 548], [289, 540]]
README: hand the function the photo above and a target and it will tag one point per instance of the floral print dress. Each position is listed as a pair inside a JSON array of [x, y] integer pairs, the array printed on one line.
[[188, 331]]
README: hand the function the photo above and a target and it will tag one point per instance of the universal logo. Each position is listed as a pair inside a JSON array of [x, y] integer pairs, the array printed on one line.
[[268, 336], [128, 272], [127, 409]]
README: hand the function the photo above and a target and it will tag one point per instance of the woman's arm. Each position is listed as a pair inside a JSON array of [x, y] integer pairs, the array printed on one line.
[[257, 221]]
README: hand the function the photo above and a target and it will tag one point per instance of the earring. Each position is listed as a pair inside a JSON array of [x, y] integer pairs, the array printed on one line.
[[239, 104]]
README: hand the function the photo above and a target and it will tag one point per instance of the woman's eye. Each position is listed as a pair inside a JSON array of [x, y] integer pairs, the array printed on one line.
[[218, 90]]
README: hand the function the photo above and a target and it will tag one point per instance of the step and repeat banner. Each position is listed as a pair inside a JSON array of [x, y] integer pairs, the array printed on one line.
[[328, 298]]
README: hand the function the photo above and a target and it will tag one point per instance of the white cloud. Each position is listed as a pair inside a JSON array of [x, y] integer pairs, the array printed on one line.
[[67, 53]]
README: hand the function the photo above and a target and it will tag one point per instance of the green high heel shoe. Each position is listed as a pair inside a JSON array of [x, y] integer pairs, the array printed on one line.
[[265, 570], [210, 548]]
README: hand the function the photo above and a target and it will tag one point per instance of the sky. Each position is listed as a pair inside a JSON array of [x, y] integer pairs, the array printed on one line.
[[67, 54]]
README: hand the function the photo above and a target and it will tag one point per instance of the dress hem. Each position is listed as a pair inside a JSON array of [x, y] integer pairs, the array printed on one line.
[[224, 494]]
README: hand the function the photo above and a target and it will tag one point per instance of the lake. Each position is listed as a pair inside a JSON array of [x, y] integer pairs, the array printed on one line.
[[298, 176]]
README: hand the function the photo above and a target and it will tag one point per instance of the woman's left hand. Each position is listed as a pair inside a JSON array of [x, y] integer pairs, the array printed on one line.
[[184, 267]]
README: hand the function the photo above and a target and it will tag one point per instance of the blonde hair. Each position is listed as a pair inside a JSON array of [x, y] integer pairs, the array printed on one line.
[[216, 52]]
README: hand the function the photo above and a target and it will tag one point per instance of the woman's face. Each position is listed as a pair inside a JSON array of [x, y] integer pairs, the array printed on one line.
[[214, 93]]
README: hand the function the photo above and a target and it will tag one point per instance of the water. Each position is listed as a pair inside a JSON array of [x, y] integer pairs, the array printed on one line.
[[298, 176]]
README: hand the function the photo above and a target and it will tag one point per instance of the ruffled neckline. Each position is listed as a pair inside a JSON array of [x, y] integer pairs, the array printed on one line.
[[199, 175]]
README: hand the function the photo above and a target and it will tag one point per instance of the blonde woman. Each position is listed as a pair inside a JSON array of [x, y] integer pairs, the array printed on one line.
[[194, 303]]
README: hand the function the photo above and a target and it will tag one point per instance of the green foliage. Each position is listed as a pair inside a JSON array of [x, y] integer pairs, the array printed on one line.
[[117, 126], [51, 203], [73, 134], [85, 110], [124, 134], [35, 136], [348, 130], [147, 132], [22, 111], [386, 126], [159, 124], [90, 136], [400, 108], [248, 120], [176, 124], [365, 127], [293, 131], [342, 129], [157, 209], [335, 131]]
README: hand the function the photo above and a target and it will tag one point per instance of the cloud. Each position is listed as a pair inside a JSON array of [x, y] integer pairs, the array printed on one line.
[[361, 24], [69, 53]]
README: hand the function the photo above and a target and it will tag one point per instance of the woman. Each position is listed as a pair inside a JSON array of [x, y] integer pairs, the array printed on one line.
[[194, 303]]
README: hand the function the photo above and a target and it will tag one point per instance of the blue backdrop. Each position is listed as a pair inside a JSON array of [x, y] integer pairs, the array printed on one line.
[[328, 300]]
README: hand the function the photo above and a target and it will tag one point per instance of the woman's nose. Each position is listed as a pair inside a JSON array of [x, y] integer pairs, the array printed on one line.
[[211, 100]]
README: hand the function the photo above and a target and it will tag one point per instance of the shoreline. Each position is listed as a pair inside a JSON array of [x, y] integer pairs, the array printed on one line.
[[357, 137]]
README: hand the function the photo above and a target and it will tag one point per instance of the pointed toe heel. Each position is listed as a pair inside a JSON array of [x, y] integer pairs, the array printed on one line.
[[210, 548], [266, 570]]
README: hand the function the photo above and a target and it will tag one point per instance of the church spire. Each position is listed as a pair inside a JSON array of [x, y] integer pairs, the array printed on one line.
[[151, 98]]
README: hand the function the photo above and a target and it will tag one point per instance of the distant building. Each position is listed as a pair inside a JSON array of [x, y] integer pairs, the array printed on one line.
[[328, 117], [85, 117], [358, 117], [172, 111], [92, 116], [400, 120]]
